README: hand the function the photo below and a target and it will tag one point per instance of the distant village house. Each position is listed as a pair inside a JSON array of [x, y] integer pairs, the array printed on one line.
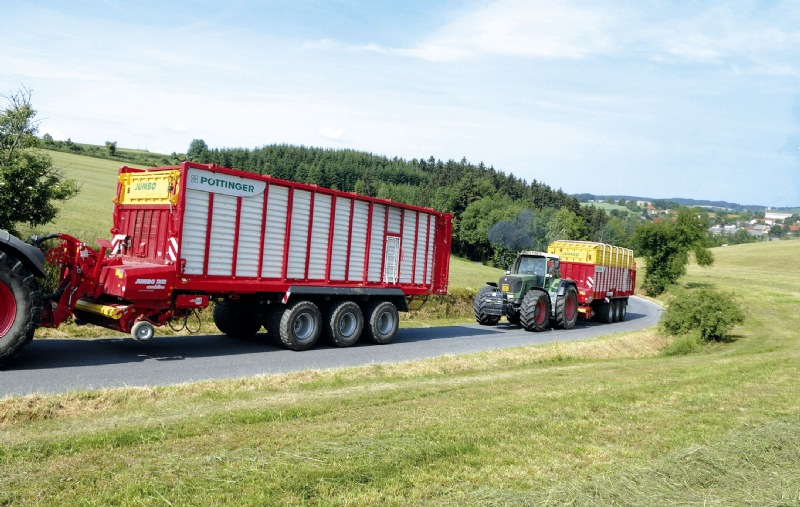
[[772, 217]]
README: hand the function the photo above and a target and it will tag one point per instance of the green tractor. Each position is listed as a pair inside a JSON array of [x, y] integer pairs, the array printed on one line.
[[532, 294]]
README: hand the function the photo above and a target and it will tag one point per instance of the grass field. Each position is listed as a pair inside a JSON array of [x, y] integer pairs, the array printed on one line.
[[609, 207], [609, 421], [88, 215]]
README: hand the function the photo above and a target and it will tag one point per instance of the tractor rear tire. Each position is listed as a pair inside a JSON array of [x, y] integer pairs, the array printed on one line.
[[535, 311], [567, 309], [479, 308], [382, 322], [238, 318], [20, 307], [297, 325]]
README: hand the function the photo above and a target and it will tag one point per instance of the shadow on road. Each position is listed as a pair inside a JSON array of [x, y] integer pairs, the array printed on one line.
[[65, 353], [60, 353]]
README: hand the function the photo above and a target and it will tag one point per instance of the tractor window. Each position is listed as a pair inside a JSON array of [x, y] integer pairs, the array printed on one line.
[[552, 268], [532, 266]]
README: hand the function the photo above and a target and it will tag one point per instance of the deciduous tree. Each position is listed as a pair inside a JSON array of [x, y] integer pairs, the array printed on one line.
[[198, 151], [666, 245], [29, 184], [565, 224]]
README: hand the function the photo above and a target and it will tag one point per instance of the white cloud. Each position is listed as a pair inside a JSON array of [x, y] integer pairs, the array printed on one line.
[[762, 37], [331, 134], [542, 29], [693, 49], [712, 33]]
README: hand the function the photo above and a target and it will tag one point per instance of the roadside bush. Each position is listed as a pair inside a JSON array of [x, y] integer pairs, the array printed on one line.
[[710, 313]]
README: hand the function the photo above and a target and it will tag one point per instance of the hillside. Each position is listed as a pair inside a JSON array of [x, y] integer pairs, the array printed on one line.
[[88, 215], [725, 205]]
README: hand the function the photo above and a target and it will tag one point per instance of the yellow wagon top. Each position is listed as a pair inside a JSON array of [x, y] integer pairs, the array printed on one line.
[[148, 187], [591, 252]]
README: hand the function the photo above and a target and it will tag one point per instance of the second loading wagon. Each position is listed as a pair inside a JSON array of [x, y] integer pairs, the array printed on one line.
[[554, 288]]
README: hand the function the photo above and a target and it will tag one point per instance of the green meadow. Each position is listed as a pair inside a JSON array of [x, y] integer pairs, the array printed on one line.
[[87, 216], [608, 421]]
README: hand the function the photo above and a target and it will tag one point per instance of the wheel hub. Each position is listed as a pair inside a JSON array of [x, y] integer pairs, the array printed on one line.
[[303, 326], [541, 312], [347, 325], [8, 309], [385, 323], [570, 307]]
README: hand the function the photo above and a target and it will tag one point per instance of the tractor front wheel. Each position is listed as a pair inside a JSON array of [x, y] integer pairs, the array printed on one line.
[[20, 307], [479, 307]]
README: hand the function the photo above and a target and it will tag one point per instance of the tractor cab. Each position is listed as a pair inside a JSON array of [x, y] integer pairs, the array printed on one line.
[[531, 269], [535, 263]]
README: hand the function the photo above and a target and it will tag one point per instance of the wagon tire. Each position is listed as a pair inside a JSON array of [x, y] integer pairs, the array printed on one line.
[[20, 307], [237, 318], [344, 323], [535, 311], [297, 326], [382, 322], [272, 323], [142, 331], [479, 308], [605, 312]]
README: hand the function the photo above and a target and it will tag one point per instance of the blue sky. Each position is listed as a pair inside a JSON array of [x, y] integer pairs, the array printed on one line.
[[657, 99]]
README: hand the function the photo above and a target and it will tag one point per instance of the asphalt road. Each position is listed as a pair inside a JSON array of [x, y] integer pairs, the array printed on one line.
[[57, 365]]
